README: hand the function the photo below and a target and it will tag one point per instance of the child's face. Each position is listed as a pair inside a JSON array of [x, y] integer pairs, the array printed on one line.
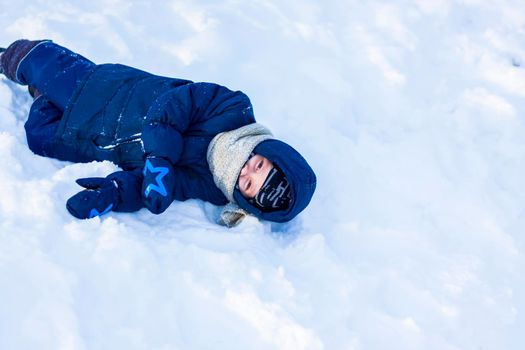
[[253, 174]]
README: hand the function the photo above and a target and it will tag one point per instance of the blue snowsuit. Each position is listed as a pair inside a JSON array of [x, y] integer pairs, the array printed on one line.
[[122, 114], [118, 113]]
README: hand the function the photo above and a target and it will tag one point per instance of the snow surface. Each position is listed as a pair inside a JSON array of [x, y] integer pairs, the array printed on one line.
[[411, 113]]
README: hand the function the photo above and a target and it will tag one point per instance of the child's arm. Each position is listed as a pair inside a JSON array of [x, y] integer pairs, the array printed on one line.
[[200, 107], [163, 184], [203, 108], [123, 191]]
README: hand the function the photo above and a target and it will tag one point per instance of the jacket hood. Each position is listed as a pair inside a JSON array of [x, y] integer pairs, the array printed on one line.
[[299, 174]]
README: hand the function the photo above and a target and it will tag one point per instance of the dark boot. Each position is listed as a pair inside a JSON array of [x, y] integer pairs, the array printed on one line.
[[12, 56]]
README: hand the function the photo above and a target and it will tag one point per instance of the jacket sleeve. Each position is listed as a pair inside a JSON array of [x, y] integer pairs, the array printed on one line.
[[192, 184], [129, 184], [206, 107], [188, 184]]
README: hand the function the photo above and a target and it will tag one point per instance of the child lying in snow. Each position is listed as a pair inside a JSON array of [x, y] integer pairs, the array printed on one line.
[[173, 138]]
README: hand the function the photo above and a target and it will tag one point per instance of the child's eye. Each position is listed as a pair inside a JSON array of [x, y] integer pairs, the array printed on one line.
[[248, 185], [259, 166]]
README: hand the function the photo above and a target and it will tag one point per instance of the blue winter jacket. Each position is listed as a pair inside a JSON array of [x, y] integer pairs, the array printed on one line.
[[123, 114]]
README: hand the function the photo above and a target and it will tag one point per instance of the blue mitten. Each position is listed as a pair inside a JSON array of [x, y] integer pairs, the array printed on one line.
[[99, 197], [158, 184]]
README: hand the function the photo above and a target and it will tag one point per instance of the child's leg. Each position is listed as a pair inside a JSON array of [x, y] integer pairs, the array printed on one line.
[[41, 127], [53, 70]]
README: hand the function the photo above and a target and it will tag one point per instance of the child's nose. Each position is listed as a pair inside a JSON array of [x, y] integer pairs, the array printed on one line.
[[244, 170]]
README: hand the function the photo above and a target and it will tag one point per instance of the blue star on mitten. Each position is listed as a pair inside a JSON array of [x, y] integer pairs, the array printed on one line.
[[158, 184]]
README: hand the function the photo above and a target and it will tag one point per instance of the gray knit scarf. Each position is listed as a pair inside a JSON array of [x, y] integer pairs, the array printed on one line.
[[227, 153]]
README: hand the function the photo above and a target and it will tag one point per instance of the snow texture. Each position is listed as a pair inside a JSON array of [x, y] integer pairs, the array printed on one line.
[[412, 114]]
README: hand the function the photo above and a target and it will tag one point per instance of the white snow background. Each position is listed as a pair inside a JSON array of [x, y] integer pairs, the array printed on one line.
[[412, 114]]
